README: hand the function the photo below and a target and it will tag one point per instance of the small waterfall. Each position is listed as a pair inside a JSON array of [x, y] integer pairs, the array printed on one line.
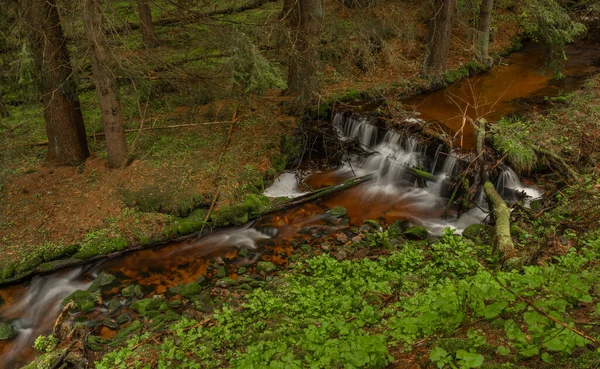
[[436, 157], [356, 129], [391, 156], [445, 174], [510, 187]]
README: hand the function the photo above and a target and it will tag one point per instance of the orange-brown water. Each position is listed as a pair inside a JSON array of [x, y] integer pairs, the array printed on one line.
[[492, 95], [159, 269]]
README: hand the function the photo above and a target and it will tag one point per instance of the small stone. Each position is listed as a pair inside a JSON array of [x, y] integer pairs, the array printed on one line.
[[373, 223], [417, 232], [357, 239], [175, 304], [110, 323], [398, 228], [149, 307], [202, 280], [219, 261], [134, 290], [84, 300], [342, 238], [113, 305], [341, 255], [96, 343], [124, 318], [222, 283], [338, 211], [245, 287], [103, 281], [242, 270], [325, 246], [265, 267], [7, 331], [479, 233], [221, 273], [365, 228]]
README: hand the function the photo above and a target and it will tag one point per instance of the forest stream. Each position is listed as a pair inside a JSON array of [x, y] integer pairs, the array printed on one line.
[[33, 306]]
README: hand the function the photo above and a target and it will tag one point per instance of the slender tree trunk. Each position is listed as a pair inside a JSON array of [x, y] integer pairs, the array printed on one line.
[[64, 122], [148, 34], [482, 33], [106, 84], [305, 18], [3, 111], [438, 40]]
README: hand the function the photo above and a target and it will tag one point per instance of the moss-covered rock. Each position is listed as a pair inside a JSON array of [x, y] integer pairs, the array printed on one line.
[[221, 273], [338, 211], [110, 323], [84, 300], [373, 224], [479, 233], [123, 318], [96, 343], [7, 331], [186, 290], [136, 325], [265, 267], [103, 281], [398, 228], [134, 290], [150, 307], [416, 232]]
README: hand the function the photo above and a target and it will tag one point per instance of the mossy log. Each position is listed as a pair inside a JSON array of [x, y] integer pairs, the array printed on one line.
[[316, 194], [503, 241]]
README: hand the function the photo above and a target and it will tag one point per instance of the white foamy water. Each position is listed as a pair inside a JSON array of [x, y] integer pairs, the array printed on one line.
[[286, 185], [39, 307]]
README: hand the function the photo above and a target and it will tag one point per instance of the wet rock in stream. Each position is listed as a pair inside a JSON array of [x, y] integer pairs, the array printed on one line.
[[265, 267], [416, 232], [7, 331], [134, 290], [84, 300], [104, 281], [110, 323]]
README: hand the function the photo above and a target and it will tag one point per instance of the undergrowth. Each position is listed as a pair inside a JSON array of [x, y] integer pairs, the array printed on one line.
[[327, 313]]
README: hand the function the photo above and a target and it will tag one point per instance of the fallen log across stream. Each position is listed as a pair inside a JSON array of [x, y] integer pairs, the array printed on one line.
[[315, 195]]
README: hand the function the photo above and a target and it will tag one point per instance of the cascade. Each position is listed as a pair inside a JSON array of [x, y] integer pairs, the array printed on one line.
[[509, 186]]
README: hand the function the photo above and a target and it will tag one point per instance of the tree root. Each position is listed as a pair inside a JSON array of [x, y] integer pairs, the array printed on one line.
[[558, 161]]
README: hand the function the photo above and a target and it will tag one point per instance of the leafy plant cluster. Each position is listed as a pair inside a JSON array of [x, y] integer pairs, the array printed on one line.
[[327, 313]]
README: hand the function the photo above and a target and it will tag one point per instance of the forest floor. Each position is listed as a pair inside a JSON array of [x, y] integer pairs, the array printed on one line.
[[388, 299], [392, 301], [49, 213]]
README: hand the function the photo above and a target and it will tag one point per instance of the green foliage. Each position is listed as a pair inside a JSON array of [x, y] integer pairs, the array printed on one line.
[[549, 22], [44, 344], [250, 70], [511, 137], [100, 242]]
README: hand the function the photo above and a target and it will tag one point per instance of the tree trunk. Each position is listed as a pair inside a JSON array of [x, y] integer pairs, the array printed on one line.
[[482, 33], [305, 18], [148, 34], [438, 40], [64, 122], [106, 85], [3, 111]]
